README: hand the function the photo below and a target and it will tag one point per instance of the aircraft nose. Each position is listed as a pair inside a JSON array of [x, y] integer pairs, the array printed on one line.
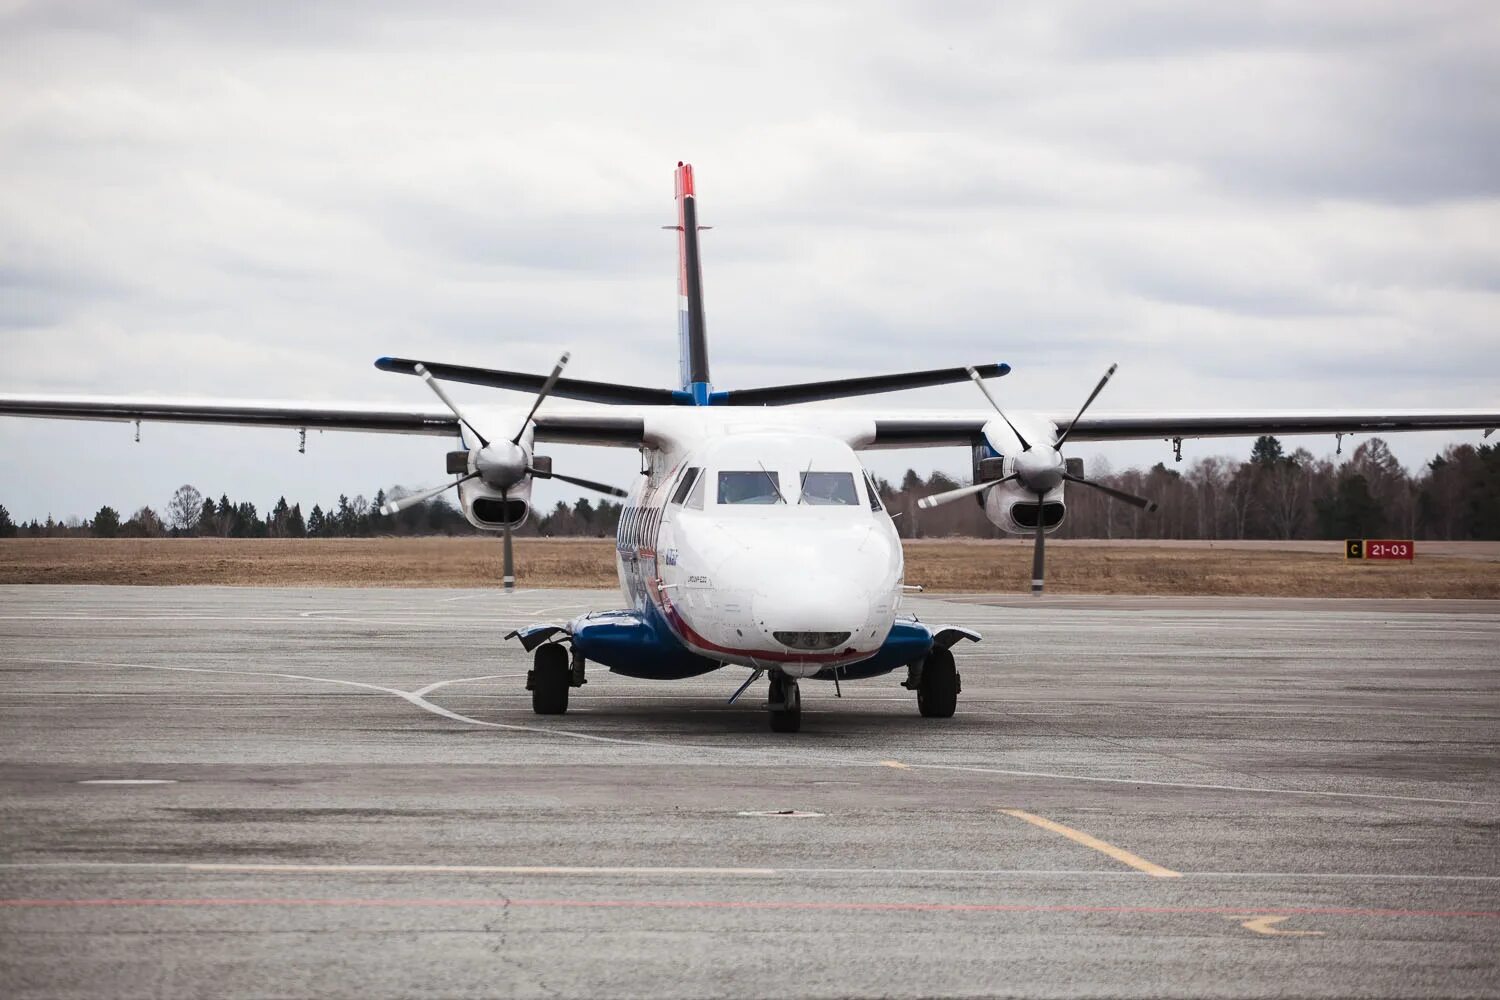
[[813, 613]]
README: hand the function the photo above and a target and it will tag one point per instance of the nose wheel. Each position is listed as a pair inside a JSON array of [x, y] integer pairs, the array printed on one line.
[[785, 703]]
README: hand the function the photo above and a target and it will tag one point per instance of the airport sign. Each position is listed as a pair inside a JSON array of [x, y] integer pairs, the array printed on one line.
[[1380, 548]]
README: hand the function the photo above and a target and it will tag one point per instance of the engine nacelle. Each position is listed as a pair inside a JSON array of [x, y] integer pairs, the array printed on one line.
[[1016, 511], [490, 510], [1011, 508]]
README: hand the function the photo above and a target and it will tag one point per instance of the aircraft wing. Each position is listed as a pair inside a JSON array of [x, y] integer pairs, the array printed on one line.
[[613, 427], [918, 429]]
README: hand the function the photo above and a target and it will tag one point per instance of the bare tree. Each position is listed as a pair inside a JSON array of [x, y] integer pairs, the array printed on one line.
[[184, 509]]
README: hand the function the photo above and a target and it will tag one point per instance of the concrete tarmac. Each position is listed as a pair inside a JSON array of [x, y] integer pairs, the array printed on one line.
[[351, 797]]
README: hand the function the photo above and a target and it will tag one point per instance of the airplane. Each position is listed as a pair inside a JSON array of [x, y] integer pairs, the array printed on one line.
[[754, 537]]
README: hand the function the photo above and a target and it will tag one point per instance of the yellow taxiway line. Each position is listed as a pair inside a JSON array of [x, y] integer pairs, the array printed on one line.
[[1079, 837]]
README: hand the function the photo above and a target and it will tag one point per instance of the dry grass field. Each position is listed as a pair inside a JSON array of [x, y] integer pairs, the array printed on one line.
[[1297, 569]]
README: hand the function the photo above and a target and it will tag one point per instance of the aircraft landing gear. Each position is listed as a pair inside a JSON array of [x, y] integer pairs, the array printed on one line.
[[938, 686], [549, 679], [785, 703]]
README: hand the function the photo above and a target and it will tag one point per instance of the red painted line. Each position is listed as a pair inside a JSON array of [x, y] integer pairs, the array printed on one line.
[[690, 904]]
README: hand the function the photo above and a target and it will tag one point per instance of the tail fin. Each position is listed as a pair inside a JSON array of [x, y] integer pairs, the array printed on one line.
[[692, 337]]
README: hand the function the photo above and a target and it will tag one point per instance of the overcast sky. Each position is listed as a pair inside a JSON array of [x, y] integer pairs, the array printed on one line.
[[1284, 205]]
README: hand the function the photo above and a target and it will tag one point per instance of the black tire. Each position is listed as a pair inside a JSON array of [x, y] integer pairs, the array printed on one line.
[[550, 679], [937, 695], [788, 719]]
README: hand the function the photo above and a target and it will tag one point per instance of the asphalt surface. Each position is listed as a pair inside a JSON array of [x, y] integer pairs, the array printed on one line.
[[1138, 797]]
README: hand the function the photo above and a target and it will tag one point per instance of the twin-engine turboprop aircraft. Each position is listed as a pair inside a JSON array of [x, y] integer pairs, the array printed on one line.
[[754, 536]]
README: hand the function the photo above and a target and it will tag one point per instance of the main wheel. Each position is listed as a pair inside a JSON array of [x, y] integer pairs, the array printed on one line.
[[550, 679], [937, 694], [788, 717]]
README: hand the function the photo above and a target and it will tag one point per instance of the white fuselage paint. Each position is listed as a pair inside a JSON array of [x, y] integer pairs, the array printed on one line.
[[727, 577]]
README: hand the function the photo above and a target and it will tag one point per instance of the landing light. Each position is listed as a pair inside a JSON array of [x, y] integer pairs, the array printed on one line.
[[811, 640]]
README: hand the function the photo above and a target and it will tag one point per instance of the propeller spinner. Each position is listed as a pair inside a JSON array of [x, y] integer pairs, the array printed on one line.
[[1039, 469]]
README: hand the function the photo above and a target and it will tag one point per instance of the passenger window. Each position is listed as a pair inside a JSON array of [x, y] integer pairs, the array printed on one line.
[[874, 493], [758, 487], [829, 489], [685, 485]]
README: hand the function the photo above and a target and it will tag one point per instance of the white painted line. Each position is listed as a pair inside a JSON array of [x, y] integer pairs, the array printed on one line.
[[790, 757], [415, 699], [423, 692], [251, 868]]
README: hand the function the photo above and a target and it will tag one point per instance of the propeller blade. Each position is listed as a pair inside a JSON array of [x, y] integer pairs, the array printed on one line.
[[557, 371], [938, 499], [587, 484], [1130, 498], [1092, 396], [508, 564], [1039, 552], [432, 384], [985, 389], [396, 506]]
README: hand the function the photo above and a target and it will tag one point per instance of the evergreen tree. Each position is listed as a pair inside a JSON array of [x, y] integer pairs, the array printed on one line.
[[316, 524], [1351, 512], [1266, 452], [379, 523], [583, 516], [208, 520], [247, 523], [106, 523], [276, 521], [7, 526], [295, 526], [1482, 507]]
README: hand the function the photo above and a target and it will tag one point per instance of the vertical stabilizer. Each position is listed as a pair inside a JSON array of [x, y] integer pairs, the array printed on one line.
[[691, 334]]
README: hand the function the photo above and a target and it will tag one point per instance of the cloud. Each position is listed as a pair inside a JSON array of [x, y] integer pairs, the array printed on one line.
[[1255, 206]]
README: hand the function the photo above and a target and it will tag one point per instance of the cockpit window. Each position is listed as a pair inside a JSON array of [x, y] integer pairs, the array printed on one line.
[[874, 493], [829, 489], [685, 484], [758, 487]]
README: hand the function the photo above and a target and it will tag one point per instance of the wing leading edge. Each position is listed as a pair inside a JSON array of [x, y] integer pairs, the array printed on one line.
[[616, 427], [917, 429], [625, 425]]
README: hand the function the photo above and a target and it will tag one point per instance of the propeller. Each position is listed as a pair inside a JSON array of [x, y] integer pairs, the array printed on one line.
[[1039, 469], [396, 506], [499, 464]]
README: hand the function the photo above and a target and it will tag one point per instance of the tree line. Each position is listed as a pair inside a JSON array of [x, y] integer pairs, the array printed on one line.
[[1273, 494], [189, 514]]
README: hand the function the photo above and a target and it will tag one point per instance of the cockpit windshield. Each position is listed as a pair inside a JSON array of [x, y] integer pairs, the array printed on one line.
[[758, 487], [829, 489]]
